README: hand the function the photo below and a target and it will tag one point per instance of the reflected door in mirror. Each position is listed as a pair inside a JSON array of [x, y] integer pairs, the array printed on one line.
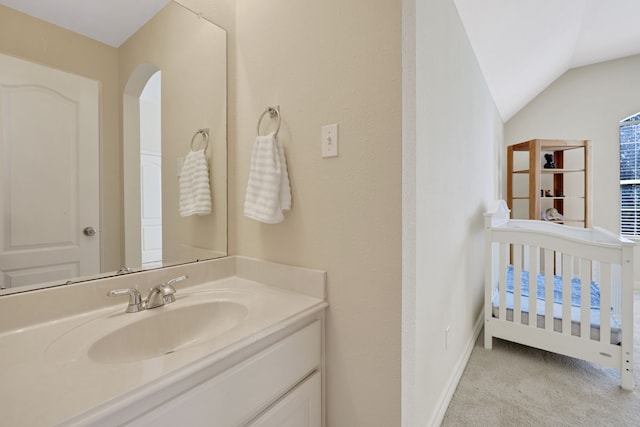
[[49, 184], [151, 218]]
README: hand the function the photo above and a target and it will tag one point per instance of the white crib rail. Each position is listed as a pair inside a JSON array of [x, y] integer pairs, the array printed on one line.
[[535, 260], [549, 249]]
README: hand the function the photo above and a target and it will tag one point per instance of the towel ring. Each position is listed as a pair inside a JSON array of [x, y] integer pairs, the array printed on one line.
[[205, 135], [273, 112]]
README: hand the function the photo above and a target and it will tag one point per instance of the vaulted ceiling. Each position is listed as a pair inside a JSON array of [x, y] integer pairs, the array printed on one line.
[[522, 46]]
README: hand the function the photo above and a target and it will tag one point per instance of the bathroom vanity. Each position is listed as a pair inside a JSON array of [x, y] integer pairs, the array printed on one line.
[[241, 345]]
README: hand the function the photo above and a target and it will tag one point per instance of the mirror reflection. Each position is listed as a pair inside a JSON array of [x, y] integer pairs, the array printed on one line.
[[92, 146]]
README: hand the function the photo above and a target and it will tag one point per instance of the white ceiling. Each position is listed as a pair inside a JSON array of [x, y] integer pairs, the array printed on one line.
[[109, 21], [523, 46]]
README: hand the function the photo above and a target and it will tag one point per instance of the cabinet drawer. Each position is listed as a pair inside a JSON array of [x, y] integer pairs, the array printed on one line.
[[238, 394], [301, 407]]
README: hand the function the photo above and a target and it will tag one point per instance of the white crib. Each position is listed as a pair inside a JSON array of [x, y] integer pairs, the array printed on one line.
[[583, 268]]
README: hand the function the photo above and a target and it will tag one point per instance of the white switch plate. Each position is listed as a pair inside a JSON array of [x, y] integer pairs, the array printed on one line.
[[330, 141]]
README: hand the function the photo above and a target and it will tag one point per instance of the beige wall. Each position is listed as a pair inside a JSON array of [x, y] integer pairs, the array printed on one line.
[[29, 38], [588, 103], [191, 53], [451, 173], [332, 62]]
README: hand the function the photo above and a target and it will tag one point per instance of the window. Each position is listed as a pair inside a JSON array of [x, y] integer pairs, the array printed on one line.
[[630, 176]]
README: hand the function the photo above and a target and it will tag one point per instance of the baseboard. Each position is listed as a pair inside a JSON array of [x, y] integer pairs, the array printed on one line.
[[454, 379]]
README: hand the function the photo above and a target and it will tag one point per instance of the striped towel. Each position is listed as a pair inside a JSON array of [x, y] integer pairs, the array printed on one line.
[[268, 191], [195, 194]]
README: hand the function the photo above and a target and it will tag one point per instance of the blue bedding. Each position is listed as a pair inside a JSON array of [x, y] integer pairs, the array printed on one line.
[[557, 288], [557, 311]]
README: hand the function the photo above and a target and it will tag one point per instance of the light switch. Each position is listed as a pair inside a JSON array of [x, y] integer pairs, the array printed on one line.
[[330, 141]]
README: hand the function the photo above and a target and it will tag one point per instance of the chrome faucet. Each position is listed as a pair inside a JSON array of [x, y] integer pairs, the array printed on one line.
[[135, 300], [158, 296], [163, 293]]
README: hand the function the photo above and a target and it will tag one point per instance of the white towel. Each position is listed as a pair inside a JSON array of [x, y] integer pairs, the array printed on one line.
[[268, 191], [195, 193]]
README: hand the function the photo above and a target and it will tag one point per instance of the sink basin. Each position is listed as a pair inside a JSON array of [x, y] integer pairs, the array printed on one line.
[[165, 330]]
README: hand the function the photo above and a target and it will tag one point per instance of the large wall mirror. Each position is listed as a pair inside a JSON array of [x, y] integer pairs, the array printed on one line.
[[93, 141]]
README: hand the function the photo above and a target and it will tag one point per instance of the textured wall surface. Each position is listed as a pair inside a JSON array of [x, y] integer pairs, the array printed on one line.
[[448, 186], [323, 63]]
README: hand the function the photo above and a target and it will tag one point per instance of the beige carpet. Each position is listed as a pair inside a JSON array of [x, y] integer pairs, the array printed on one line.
[[515, 385]]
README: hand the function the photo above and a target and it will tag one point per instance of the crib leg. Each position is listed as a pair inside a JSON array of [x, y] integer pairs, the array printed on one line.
[[626, 381], [626, 367], [626, 374], [488, 338]]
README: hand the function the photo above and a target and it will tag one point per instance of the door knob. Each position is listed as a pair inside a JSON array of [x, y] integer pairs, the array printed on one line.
[[89, 231]]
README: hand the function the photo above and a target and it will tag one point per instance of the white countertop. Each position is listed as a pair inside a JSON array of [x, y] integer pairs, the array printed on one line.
[[46, 376]]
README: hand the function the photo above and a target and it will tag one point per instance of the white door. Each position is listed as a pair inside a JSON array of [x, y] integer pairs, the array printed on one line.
[[151, 209], [49, 183]]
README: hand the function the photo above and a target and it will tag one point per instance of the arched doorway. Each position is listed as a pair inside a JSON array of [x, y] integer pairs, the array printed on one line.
[[142, 153]]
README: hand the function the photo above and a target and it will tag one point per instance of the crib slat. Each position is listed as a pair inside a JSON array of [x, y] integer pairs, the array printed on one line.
[[548, 289], [517, 283], [605, 303], [585, 298], [534, 266], [617, 289], [566, 293], [625, 282], [502, 284]]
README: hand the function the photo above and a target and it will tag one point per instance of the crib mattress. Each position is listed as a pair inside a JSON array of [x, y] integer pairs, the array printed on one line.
[[616, 332]]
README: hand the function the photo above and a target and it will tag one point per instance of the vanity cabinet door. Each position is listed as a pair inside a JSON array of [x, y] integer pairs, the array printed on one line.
[[238, 395], [302, 407]]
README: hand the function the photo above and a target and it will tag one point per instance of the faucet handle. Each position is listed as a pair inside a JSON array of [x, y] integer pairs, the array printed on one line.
[[135, 299], [176, 280], [163, 293], [168, 290]]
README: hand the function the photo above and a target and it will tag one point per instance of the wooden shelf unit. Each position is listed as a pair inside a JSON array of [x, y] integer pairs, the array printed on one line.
[[536, 148]]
